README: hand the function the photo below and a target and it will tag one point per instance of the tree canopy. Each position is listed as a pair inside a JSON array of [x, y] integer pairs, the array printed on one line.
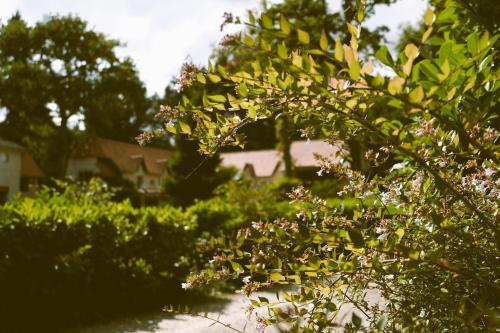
[[56, 76]]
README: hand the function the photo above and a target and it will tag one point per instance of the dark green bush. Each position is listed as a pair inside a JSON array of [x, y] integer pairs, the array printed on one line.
[[241, 202], [76, 256]]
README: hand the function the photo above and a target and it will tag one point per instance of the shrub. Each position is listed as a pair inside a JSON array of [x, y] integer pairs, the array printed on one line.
[[76, 255], [425, 233]]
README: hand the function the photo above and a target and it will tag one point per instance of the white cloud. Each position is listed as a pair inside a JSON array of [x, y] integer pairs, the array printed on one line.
[[159, 35]]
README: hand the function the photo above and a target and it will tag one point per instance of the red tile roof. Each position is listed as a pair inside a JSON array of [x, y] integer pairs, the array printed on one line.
[[126, 156], [266, 162], [29, 168]]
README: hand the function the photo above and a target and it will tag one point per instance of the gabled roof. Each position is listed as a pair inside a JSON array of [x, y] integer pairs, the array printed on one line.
[[265, 163], [10, 144], [304, 152], [29, 168], [126, 156]]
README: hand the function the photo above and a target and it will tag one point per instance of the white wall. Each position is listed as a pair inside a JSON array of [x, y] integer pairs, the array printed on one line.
[[150, 183], [77, 165], [10, 171]]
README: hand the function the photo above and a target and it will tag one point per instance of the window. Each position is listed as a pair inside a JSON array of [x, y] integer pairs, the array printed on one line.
[[152, 182], [140, 180]]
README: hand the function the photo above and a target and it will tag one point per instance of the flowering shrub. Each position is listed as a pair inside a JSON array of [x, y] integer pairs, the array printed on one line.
[[425, 234]]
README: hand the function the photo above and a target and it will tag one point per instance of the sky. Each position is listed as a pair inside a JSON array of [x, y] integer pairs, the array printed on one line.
[[159, 35]]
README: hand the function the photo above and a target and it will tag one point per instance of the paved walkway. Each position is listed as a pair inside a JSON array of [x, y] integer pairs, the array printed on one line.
[[229, 308]]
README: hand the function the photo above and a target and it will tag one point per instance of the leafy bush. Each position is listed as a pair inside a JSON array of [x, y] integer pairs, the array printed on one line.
[[424, 233], [238, 203], [76, 255]]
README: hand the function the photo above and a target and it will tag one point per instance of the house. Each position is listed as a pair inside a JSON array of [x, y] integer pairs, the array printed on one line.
[[268, 165], [144, 167], [18, 171]]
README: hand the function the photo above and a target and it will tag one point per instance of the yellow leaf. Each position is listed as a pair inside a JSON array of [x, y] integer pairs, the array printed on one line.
[[349, 55], [339, 51], [429, 16], [395, 85], [426, 34], [323, 41], [285, 26], [185, 128], [354, 70], [353, 30], [416, 95], [407, 67], [378, 81], [411, 51], [303, 37]]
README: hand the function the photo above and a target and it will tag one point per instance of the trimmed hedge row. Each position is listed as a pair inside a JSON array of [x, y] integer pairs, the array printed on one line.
[[76, 255]]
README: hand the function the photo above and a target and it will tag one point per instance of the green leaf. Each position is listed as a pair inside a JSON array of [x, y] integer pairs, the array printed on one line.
[[445, 70], [185, 128], [356, 237], [248, 40], [354, 70], [323, 41], [267, 23], [400, 233], [303, 37], [353, 30], [384, 56], [473, 43], [356, 320], [429, 69], [416, 95], [484, 41], [243, 90], [201, 78], [284, 25], [378, 81], [217, 98], [276, 277], [381, 323], [282, 51], [214, 78], [237, 267], [251, 18], [360, 4], [222, 71]]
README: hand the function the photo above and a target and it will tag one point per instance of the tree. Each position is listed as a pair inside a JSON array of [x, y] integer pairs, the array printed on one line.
[[315, 18], [425, 233], [190, 175], [119, 107], [59, 73]]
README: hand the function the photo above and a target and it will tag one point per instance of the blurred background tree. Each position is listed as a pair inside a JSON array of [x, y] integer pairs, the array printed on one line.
[[58, 78]]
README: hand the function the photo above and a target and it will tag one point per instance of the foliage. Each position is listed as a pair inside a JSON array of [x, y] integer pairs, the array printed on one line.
[[59, 74], [75, 255], [240, 202], [190, 175], [425, 233]]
